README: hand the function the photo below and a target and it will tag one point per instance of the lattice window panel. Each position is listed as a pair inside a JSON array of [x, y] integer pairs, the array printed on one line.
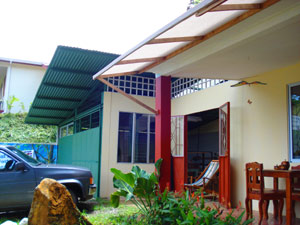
[[134, 85], [144, 86], [185, 86]]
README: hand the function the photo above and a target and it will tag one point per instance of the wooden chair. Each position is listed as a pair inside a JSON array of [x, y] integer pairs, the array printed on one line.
[[296, 183], [255, 190], [296, 190], [207, 179]]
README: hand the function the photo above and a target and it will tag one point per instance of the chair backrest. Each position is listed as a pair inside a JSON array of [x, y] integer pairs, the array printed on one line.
[[296, 167], [209, 172], [296, 182], [254, 178]]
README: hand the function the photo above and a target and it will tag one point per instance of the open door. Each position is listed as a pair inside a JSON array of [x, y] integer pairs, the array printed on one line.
[[224, 155], [179, 151]]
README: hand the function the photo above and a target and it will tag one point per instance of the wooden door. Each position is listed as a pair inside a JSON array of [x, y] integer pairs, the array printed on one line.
[[179, 151], [224, 155]]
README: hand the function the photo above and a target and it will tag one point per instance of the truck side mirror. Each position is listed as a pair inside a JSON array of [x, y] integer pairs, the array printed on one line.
[[20, 166]]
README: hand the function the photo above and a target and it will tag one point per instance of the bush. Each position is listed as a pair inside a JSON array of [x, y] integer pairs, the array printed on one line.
[[14, 129], [166, 208]]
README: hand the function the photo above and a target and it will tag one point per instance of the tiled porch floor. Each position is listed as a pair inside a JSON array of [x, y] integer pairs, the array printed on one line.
[[270, 221]]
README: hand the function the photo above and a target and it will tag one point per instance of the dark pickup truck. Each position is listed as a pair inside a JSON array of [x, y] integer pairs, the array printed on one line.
[[20, 174]]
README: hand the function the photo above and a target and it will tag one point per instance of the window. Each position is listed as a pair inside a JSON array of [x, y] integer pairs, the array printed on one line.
[[66, 130], [294, 121], [6, 162], [136, 138], [88, 122]]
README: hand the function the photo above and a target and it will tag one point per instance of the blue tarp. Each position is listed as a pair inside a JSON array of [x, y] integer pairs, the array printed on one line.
[[45, 153]]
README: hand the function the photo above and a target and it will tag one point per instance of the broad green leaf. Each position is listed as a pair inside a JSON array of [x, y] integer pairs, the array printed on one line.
[[122, 185], [127, 178], [138, 172], [129, 196], [158, 166], [115, 199], [153, 178], [144, 187]]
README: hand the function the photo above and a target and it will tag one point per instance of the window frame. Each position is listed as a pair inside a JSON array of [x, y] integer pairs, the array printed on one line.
[[133, 139], [11, 158], [290, 119], [67, 126]]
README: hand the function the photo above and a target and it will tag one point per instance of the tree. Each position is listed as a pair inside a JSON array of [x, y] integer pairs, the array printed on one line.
[[193, 3]]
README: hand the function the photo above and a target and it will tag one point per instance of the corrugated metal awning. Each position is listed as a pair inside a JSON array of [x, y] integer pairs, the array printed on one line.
[[67, 82]]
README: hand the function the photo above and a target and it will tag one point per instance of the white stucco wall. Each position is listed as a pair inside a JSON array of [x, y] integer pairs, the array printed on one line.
[[113, 104], [22, 81], [259, 131]]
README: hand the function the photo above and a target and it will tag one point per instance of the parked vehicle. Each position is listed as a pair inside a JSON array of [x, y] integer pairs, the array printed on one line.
[[20, 174]]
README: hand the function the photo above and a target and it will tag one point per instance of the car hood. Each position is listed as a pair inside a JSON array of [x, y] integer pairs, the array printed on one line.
[[62, 166], [61, 172]]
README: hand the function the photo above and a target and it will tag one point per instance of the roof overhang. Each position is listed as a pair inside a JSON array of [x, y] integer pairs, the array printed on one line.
[[67, 84], [231, 39]]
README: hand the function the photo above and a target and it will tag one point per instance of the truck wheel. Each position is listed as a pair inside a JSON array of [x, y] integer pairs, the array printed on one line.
[[74, 196]]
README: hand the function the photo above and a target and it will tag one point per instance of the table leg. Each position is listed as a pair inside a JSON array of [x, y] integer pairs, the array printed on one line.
[[275, 211], [275, 202], [289, 207], [275, 183]]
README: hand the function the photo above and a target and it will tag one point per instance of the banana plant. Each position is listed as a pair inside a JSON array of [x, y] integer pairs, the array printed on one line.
[[137, 186]]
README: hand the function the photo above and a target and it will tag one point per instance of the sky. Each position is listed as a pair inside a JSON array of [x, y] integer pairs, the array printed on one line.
[[32, 29]]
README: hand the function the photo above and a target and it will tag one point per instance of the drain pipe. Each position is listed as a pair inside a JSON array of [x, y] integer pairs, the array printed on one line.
[[7, 85]]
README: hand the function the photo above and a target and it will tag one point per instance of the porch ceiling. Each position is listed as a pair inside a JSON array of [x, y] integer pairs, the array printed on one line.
[[219, 39]]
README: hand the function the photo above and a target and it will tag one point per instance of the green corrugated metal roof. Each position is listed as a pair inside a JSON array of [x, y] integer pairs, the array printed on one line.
[[67, 82]]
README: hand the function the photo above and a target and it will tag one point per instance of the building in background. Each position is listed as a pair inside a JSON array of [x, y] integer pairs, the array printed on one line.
[[19, 79]]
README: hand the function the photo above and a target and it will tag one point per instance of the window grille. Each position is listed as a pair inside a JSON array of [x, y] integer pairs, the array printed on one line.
[[134, 85], [185, 86], [177, 135], [144, 86]]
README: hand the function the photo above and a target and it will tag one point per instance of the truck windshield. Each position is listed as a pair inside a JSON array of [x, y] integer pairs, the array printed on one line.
[[25, 157]]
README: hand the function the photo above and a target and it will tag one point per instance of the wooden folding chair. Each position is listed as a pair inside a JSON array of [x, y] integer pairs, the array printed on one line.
[[207, 179]]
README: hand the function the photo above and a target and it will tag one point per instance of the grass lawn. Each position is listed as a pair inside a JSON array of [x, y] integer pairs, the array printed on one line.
[[105, 214], [102, 213]]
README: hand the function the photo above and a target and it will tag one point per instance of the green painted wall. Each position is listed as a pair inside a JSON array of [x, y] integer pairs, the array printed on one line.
[[82, 149]]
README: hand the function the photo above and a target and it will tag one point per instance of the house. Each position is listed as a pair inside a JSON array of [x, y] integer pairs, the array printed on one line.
[[254, 41], [21, 79], [87, 113]]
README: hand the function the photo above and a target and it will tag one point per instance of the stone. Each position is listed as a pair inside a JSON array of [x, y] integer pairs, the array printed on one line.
[[52, 204], [8, 222]]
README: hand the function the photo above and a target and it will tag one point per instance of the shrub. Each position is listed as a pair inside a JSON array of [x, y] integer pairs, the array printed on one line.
[[167, 207]]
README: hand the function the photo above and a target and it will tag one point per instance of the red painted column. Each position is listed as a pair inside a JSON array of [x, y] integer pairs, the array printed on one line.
[[185, 149], [163, 129]]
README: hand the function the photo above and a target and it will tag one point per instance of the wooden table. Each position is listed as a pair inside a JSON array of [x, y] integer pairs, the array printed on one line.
[[289, 175]]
